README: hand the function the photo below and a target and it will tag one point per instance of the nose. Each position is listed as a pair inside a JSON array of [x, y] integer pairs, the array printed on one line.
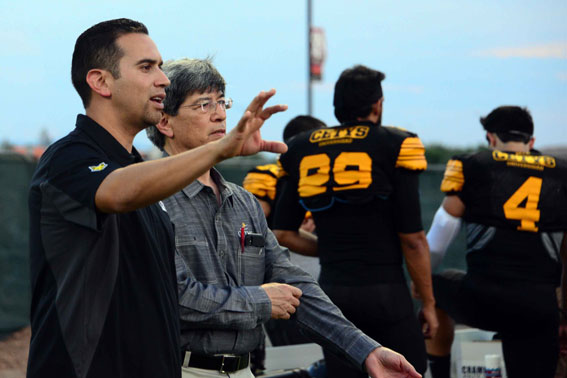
[[162, 80], [219, 113]]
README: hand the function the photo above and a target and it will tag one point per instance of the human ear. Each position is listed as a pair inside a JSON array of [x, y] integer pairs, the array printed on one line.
[[97, 79], [164, 126]]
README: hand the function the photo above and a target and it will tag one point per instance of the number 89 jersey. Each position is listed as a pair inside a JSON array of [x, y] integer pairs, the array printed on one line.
[[352, 163], [515, 209]]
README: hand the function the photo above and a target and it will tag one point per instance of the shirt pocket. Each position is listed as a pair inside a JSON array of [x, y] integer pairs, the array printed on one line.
[[253, 265], [197, 254]]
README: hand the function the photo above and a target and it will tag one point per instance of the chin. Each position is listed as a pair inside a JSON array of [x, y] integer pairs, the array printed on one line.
[[151, 120]]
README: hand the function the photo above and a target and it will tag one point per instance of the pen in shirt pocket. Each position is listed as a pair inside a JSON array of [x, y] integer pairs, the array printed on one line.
[[242, 236]]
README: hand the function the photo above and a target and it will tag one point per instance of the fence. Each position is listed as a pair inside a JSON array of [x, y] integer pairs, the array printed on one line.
[[15, 174]]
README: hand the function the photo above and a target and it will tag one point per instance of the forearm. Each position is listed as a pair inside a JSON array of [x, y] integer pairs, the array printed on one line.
[[301, 242], [211, 306], [317, 316], [324, 323], [442, 232], [139, 185], [416, 253]]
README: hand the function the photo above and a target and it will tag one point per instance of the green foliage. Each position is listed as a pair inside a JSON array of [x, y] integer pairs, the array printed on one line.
[[440, 154]]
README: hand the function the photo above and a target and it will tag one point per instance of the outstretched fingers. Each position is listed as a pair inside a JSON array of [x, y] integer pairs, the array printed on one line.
[[271, 110], [273, 146], [260, 100]]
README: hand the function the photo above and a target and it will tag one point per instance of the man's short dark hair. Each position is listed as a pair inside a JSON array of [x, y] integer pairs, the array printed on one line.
[[300, 124], [187, 76], [356, 90], [97, 48], [510, 124]]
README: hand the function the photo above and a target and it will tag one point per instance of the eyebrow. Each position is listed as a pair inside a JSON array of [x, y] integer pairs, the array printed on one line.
[[148, 60], [208, 97]]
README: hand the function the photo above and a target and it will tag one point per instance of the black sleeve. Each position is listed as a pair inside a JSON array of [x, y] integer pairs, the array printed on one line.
[[75, 173], [407, 208], [288, 212]]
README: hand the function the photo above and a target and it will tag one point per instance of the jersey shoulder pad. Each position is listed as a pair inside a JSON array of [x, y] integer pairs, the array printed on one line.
[[411, 154], [454, 177], [261, 181]]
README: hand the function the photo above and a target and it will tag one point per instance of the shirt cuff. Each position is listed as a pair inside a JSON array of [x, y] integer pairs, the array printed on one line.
[[361, 348], [261, 302]]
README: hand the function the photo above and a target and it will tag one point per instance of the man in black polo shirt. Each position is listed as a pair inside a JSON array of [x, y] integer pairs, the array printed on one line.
[[104, 300]]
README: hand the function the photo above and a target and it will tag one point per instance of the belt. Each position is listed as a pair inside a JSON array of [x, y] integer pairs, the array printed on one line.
[[224, 363]]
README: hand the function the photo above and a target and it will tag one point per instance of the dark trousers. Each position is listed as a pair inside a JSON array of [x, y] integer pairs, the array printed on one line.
[[523, 313], [385, 313]]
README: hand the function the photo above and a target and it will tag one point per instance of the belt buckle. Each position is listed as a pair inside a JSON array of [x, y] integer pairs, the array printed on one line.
[[221, 370]]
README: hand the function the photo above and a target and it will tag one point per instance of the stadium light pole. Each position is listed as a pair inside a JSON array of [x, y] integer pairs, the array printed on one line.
[[309, 89]]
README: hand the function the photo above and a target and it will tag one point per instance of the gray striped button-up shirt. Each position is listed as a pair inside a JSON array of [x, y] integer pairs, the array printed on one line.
[[222, 305]]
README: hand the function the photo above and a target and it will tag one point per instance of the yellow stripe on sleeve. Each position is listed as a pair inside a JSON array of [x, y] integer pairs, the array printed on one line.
[[454, 178], [260, 184], [272, 168], [412, 155]]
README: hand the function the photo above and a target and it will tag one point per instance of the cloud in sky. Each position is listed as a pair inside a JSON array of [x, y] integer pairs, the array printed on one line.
[[562, 76], [553, 50]]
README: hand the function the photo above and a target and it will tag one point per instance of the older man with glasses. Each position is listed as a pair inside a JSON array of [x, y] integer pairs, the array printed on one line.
[[232, 274]]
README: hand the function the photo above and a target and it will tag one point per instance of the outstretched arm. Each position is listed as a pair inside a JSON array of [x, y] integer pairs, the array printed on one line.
[[139, 185]]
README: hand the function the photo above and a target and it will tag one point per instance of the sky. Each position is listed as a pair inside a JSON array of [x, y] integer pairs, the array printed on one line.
[[447, 63]]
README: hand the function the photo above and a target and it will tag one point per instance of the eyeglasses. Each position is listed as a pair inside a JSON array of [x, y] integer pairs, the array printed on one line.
[[210, 106]]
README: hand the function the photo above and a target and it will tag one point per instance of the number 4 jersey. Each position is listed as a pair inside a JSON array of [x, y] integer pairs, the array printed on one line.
[[515, 212], [360, 181]]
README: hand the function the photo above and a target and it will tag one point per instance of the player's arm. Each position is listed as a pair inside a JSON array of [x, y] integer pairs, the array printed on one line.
[[261, 181], [411, 161], [447, 220], [416, 253], [139, 185], [299, 241], [444, 228], [288, 216], [414, 246]]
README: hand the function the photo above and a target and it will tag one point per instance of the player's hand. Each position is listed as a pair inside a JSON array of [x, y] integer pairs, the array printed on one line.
[[308, 225], [385, 363], [245, 138], [429, 321], [284, 298]]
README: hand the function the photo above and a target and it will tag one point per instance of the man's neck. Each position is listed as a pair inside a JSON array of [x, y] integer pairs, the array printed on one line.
[[121, 131], [205, 179], [513, 147]]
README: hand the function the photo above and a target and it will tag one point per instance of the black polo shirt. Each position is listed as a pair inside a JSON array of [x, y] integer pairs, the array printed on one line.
[[104, 293]]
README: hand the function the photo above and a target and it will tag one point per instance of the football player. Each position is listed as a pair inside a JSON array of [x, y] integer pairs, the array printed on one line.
[[360, 181], [513, 201]]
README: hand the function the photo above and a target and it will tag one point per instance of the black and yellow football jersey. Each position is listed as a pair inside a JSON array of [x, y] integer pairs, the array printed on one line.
[[515, 212], [360, 181], [261, 181]]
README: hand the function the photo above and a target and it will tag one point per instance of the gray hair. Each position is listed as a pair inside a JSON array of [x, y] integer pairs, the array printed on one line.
[[187, 76]]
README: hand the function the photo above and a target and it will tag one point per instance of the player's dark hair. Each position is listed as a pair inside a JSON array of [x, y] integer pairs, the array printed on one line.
[[96, 48], [356, 90], [510, 124], [300, 124]]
